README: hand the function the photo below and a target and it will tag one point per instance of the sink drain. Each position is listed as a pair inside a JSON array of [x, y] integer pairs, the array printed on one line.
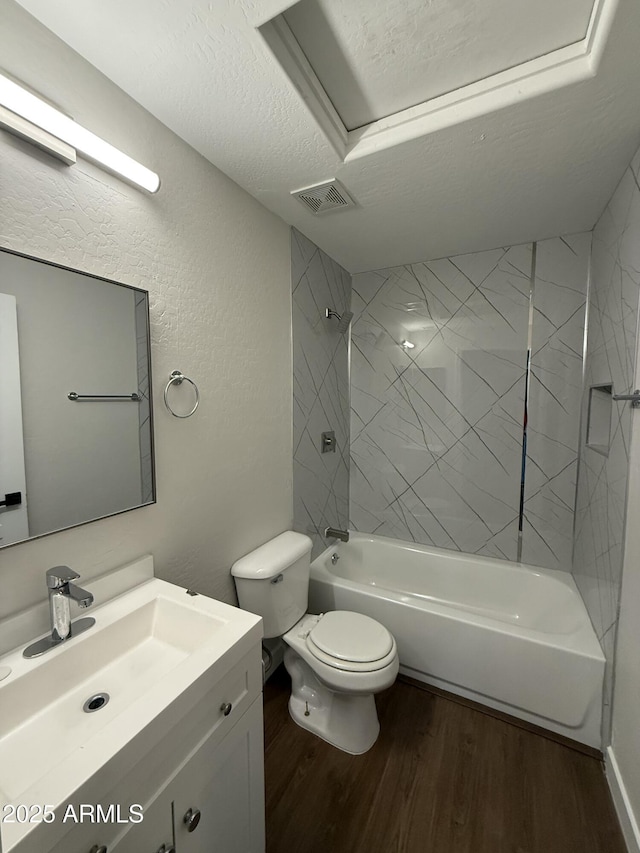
[[94, 703]]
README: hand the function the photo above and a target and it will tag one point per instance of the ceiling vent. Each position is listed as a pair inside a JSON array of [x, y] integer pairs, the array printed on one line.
[[324, 198]]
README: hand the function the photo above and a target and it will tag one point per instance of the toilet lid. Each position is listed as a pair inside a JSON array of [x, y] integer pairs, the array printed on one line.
[[351, 637]]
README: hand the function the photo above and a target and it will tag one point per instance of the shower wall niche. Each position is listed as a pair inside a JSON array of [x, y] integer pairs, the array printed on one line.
[[438, 389]]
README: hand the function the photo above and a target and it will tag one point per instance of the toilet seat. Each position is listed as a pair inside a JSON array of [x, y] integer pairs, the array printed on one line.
[[351, 642], [353, 678]]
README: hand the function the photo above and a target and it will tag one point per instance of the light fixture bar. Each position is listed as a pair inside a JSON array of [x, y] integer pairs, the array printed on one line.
[[32, 133], [28, 106]]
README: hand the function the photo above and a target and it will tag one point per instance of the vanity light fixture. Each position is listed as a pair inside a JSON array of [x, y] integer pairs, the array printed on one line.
[[37, 136], [407, 345], [42, 117]]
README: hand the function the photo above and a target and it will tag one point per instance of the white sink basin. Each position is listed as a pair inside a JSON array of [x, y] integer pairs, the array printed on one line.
[[147, 646]]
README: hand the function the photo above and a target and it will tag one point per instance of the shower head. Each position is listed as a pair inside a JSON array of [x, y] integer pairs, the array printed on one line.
[[343, 319]]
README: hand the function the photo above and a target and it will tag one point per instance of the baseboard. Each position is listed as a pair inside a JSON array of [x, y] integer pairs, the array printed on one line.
[[621, 802]]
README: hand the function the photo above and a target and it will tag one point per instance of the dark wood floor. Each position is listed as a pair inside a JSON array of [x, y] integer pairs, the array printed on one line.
[[442, 778]]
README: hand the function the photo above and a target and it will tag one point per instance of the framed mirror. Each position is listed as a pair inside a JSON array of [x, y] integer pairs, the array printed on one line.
[[76, 427]]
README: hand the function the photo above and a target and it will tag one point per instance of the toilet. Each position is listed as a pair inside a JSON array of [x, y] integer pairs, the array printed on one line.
[[336, 660]]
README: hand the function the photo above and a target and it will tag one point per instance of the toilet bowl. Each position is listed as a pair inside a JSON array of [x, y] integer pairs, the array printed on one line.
[[336, 660]]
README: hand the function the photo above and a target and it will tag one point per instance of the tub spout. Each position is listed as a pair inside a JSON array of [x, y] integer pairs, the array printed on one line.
[[337, 534]]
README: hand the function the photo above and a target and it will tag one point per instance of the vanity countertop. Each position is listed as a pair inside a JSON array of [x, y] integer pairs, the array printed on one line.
[[154, 649]]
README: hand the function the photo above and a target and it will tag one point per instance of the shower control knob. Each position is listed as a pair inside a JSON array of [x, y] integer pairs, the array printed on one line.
[[96, 849], [164, 849], [226, 708], [192, 819]]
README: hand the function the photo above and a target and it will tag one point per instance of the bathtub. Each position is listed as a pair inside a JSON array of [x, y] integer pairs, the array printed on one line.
[[515, 638]]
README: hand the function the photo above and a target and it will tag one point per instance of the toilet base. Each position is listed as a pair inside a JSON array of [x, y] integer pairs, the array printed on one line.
[[346, 721]]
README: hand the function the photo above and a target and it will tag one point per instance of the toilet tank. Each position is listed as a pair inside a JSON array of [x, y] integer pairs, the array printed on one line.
[[273, 581]]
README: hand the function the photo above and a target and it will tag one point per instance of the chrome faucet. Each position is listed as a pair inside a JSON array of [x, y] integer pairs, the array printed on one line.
[[61, 592], [337, 533]]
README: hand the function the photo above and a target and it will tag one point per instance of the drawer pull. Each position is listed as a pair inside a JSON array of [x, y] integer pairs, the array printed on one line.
[[191, 819], [226, 708], [96, 849]]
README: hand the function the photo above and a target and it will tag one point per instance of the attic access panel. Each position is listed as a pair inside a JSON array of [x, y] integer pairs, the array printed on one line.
[[374, 60]]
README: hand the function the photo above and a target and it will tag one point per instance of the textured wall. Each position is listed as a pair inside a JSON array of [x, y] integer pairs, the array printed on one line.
[[320, 391], [217, 265], [611, 353], [436, 430]]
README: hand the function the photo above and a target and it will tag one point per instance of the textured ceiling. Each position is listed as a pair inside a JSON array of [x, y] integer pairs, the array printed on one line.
[[539, 167]]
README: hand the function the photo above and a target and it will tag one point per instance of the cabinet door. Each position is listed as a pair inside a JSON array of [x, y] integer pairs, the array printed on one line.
[[148, 836], [151, 833], [222, 787]]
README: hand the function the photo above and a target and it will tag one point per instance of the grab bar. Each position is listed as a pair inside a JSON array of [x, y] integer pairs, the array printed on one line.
[[634, 398], [134, 398]]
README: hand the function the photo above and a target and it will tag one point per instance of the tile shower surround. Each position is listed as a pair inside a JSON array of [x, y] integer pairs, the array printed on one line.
[[555, 394], [320, 391], [436, 430], [611, 348], [436, 441]]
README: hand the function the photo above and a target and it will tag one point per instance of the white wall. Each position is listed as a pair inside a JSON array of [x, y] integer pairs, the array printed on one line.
[[217, 266]]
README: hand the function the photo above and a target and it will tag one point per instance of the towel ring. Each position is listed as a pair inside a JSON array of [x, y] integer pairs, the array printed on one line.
[[177, 378]]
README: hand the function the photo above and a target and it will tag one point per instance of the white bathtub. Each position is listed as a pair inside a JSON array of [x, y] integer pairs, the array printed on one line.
[[513, 637]]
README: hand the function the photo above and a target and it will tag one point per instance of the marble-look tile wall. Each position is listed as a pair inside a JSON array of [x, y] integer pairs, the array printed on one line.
[[437, 429], [611, 347], [320, 391], [555, 395]]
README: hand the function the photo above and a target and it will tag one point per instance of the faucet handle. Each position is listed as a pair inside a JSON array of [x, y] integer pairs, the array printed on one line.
[[59, 575]]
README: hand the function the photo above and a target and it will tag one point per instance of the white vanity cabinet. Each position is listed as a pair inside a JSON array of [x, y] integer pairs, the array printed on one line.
[[207, 768], [215, 803], [219, 794]]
